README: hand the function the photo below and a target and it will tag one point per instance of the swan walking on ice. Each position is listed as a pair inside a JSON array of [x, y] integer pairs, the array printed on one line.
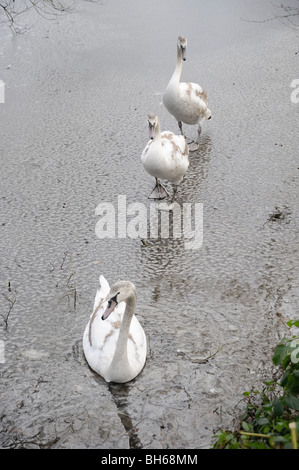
[[187, 102], [165, 156]]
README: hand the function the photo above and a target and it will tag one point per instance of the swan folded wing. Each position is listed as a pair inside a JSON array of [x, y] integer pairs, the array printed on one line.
[[136, 343], [102, 292], [104, 284], [146, 149], [174, 145], [99, 357], [193, 104], [194, 92], [102, 332]]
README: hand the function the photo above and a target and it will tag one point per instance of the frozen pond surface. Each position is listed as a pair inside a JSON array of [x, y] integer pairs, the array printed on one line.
[[73, 126]]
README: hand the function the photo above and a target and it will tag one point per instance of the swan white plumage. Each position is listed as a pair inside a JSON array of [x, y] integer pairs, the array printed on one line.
[[114, 342], [187, 102], [165, 156]]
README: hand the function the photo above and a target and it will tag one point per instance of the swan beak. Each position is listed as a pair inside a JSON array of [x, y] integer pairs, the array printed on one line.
[[110, 307], [183, 53], [151, 132]]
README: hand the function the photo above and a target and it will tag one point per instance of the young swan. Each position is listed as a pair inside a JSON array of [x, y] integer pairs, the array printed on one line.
[[114, 342], [187, 102], [165, 156]]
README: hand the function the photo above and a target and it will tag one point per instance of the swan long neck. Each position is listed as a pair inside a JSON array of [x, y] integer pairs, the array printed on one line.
[[157, 131], [120, 354], [178, 68]]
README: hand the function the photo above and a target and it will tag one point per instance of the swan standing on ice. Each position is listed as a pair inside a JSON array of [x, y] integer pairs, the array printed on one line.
[[114, 342], [187, 102], [165, 156]]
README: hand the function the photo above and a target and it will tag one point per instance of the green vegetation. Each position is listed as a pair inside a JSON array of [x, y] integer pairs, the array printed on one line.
[[271, 417]]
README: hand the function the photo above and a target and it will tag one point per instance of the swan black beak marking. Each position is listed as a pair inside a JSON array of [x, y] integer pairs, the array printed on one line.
[[112, 303], [151, 131]]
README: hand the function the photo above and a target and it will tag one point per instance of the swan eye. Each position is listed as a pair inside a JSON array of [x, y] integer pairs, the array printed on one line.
[[114, 299]]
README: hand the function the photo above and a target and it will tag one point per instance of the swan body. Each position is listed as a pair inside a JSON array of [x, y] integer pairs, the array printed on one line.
[[165, 156], [187, 102], [114, 342]]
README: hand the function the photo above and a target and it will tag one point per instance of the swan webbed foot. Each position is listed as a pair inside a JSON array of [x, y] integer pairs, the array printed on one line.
[[193, 146], [159, 192], [174, 193]]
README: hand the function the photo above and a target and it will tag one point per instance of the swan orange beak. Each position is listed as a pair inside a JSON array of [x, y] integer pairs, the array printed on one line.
[[110, 307]]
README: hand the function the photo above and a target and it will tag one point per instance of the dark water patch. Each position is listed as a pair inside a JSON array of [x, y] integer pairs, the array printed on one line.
[[120, 394]]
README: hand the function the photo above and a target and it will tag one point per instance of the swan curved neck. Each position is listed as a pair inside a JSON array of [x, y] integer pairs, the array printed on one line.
[[157, 131], [178, 68], [120, 355]]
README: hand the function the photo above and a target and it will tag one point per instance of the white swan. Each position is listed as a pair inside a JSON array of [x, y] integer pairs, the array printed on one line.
[[165, 156], [114, 342], [187, 102]]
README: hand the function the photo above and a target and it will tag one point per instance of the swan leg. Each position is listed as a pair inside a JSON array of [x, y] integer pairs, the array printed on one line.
[[195, 145], [182, 133], [159, 192], [181, 128]]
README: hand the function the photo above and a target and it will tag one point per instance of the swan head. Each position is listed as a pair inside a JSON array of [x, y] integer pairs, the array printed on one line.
[[182, 46], [122, 291], [152, 124]]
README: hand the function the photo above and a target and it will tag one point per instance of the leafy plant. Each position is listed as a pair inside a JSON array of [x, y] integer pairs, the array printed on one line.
[[271, 417]]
